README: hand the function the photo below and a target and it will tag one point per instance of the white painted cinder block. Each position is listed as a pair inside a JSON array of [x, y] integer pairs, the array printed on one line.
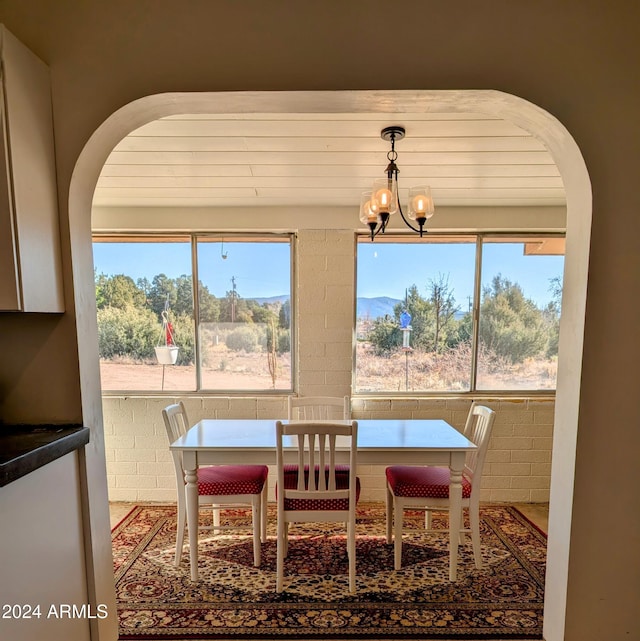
[[140, 467]]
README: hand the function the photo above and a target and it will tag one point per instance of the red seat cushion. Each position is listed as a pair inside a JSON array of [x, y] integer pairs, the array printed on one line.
[[426, 481], [224, 480], [342, 483]]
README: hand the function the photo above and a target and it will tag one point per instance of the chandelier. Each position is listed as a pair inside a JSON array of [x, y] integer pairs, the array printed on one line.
[[377, 205]]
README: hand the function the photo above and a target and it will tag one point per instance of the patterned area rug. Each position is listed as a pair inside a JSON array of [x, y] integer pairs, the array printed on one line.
[[233, 599]]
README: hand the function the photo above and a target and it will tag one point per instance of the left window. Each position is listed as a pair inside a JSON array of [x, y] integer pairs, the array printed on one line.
[[158, 332]]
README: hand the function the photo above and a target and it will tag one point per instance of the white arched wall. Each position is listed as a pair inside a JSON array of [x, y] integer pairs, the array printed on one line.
[[538, 122]]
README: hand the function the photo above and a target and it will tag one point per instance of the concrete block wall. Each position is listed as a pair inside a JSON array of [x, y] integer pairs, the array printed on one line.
[[139, 464], [517, 469], [325, 311]]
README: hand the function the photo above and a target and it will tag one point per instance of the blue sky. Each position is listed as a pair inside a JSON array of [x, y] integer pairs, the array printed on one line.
[[384, 269], [260, 269]]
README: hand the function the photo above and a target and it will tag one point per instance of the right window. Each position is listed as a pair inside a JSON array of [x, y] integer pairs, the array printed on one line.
[[519, 313], [458, 313]]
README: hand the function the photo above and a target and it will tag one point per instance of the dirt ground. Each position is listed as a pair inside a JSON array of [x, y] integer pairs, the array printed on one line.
[[233, 371], [127, 376]]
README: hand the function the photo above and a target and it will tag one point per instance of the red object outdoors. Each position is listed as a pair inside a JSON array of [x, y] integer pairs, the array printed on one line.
[[169, 334]]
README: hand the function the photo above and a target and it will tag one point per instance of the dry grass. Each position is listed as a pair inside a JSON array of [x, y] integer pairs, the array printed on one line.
[[449, 372]]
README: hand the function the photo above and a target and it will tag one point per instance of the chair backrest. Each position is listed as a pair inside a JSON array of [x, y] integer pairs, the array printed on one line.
[[314, 446], [471, 421], [319, 408], [176, 424], [478, 431]]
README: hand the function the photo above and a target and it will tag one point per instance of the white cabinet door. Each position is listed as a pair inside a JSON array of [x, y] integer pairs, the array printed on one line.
[[31, 279]]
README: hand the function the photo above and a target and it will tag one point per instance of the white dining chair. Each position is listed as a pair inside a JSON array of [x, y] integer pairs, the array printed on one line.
[[313, 497], [219, 487], [426, 487], [319, 408]]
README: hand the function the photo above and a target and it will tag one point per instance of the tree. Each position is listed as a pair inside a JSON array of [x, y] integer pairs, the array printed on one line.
[[162, 289], [209, 305], [552, 317], [385, 335], [511, 325], [422, 325], [234, 309], [284, 316], [184, 296], [118, 291], [433, 324], [261, 313], [130, 332], [444, 310]]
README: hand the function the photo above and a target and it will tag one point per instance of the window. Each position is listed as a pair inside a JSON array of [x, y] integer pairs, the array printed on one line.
[[157, 332], [458, 313]]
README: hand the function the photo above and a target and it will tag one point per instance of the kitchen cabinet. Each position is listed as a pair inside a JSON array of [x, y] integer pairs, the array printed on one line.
[[30, 263]]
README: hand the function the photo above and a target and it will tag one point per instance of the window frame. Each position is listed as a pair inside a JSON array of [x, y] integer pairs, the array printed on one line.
[[192, 238], [480, 237]]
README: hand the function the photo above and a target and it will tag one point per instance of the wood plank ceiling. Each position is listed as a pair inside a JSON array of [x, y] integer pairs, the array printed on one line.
[[253, 160]]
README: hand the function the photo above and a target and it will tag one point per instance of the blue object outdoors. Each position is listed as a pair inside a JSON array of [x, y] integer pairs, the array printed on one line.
[[405, 320]]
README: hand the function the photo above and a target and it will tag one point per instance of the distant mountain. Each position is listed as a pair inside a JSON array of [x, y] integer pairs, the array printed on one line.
[[271, 299], [375, 307], [365, 307]]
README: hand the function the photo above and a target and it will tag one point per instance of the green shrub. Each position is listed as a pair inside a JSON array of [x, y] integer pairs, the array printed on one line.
[[284, 341], [184, 339], [244, 338], [134, 333], [131, 332]]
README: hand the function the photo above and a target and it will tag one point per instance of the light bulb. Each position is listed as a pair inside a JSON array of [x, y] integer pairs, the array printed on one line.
[[385, 195], [420, 204], [368, 209], [383, 198]]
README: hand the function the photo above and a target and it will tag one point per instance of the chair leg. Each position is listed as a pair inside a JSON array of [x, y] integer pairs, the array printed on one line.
[[346, 529], [398, 517], [286, 540], [263, 514], [389, 512], [427, 519], [216, 517], [256, 514], [474, 520], [282, 541], [351, 553]]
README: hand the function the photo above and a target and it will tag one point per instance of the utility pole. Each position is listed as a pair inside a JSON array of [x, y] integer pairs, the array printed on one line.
[[233, 299]]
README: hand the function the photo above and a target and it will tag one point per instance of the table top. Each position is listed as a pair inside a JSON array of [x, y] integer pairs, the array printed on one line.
[[373, 435]]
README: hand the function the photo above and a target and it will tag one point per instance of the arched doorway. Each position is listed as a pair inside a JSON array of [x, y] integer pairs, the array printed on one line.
[[526, 115]]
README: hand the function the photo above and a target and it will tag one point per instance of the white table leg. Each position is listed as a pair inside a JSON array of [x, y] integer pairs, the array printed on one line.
[[190, 464], [455, 510]]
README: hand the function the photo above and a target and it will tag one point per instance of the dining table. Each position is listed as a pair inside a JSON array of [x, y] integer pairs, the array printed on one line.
[[383, 442]]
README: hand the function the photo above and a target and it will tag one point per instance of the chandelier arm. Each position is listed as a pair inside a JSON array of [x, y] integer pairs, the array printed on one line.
[[406, 222]]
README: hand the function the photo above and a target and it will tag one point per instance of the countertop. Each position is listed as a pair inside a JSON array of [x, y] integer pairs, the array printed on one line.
[[25, 448]]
